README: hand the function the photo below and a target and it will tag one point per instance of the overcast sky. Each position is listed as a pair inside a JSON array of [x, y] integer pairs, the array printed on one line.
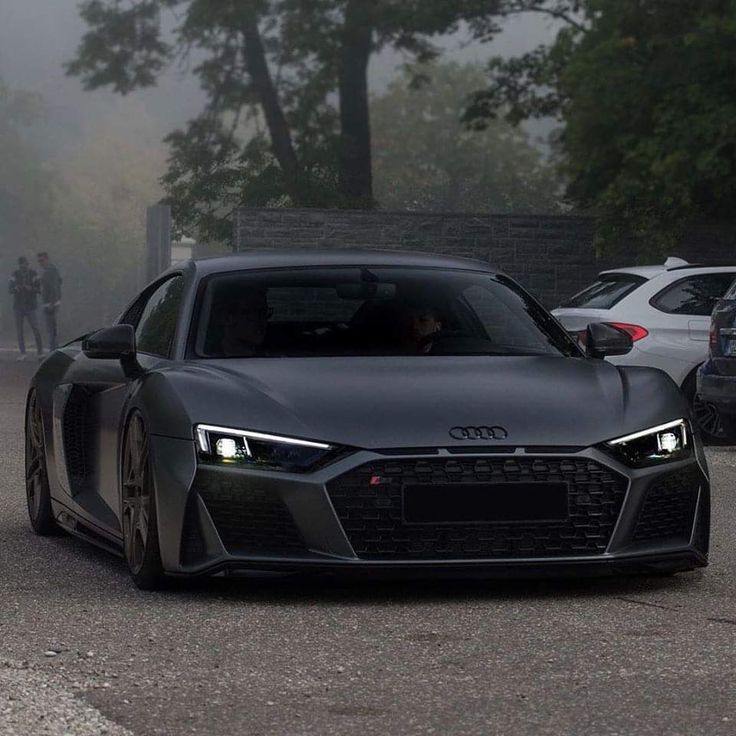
[[37, 36]]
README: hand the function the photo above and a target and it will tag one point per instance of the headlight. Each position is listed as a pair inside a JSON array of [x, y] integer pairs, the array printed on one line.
[[661, 444], [225, 446]]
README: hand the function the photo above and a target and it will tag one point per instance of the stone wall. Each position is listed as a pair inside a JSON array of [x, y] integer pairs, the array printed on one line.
[[552, 256]]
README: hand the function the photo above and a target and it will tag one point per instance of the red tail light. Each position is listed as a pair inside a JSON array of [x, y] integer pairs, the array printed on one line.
[[636, 331], [713, 336]]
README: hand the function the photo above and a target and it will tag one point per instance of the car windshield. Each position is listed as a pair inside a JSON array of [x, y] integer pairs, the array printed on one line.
[[371, 311], [607, 291]]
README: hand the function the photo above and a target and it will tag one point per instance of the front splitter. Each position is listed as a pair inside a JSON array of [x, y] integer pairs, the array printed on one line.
[[605, 566]]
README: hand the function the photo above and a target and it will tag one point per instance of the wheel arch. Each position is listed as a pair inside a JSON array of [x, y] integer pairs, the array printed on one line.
[[171, 454]]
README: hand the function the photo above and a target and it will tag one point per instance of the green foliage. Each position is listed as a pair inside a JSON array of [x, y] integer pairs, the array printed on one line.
[[646, 92], [126, 52], [425, 159]]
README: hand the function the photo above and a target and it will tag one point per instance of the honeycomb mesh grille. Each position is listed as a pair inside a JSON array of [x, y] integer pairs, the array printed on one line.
[[371, 515], [248, 519], [668, 509], [76, 433]]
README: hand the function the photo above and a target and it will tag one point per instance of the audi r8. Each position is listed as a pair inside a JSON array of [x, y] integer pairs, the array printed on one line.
[[370, 413]]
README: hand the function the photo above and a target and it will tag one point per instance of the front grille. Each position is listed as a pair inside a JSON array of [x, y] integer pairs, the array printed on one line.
[[249, 519], [668, 509], [371, 514]]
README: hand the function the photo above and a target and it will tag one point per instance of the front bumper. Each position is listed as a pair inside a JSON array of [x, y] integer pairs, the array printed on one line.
[[215, 520]]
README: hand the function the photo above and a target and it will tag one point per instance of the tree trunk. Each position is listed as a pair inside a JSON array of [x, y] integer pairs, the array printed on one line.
[[278, 128], [355, 175]]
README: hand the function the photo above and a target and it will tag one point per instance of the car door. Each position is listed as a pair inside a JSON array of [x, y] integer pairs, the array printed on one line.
[[90, 405]]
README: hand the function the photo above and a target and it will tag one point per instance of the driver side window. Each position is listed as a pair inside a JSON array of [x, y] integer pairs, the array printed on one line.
[[155, 318]]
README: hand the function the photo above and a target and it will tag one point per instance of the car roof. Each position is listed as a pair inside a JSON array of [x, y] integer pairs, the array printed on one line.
[[646, 272], [283, 258], [671, 264]]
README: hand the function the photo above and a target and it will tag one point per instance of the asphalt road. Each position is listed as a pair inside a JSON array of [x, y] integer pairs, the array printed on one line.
[[83, 652]]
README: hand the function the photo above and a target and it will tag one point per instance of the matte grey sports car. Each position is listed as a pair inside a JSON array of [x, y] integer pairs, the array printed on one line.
[[361, 412]]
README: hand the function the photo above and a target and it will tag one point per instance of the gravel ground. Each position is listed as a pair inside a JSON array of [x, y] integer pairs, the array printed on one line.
[[32, 702], [82, 651]]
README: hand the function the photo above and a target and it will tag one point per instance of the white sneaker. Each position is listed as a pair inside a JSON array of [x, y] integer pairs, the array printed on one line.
[[21, 357]]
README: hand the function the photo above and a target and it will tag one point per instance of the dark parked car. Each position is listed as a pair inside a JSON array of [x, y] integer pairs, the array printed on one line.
[[361, 412], [717, 376]]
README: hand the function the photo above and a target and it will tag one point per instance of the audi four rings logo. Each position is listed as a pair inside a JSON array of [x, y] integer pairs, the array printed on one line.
[[478, 433]]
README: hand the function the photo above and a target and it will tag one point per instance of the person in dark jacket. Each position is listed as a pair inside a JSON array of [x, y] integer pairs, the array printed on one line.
[[50, 296], [25, 286]]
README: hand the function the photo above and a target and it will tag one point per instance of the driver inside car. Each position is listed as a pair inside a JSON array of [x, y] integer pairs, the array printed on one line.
[[245, 320]]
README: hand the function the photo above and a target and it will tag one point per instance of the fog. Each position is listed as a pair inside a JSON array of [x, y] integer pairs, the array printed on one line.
[[105, 153], [38, 36]]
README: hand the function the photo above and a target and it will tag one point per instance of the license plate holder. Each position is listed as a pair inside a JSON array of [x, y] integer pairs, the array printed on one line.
[[484, 503]]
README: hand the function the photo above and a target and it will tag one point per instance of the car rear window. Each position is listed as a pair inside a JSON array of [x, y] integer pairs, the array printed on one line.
[[609, 289]]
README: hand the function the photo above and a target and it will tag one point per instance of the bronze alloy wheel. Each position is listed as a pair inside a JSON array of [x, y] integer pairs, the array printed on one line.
[[38, 494], [140, 537]]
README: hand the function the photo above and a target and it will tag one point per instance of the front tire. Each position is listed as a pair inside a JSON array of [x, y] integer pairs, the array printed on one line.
[[138, 500], [38, 493]]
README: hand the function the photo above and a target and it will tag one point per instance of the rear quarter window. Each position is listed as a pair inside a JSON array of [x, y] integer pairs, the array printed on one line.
[[695, 295], [604, 293]]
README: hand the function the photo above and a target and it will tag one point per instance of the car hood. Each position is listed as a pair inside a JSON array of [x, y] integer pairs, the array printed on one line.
[[393, 402]]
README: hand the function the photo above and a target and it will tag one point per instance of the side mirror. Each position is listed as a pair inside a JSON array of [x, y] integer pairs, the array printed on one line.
[[603, 340], [112, 343]]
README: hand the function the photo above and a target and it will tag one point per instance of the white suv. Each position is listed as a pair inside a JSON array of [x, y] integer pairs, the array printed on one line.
[[666, 310]]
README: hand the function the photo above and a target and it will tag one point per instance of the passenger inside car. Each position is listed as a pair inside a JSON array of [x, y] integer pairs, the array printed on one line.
[[424, 322]]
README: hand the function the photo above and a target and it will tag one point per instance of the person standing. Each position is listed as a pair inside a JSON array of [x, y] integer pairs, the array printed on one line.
[[25, 286], [50, 296]]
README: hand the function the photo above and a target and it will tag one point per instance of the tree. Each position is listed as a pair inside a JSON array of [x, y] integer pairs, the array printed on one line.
[[274, 68], [426, 159], [645, 91]]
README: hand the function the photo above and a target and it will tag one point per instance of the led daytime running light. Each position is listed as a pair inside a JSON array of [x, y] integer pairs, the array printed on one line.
[[203, 430], [651, 430]]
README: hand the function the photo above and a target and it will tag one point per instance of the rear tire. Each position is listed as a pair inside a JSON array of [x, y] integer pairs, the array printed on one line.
[[38, 493], [138, 501]]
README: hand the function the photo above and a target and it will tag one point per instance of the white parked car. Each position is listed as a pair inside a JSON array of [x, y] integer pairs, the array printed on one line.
[[666, 310]]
